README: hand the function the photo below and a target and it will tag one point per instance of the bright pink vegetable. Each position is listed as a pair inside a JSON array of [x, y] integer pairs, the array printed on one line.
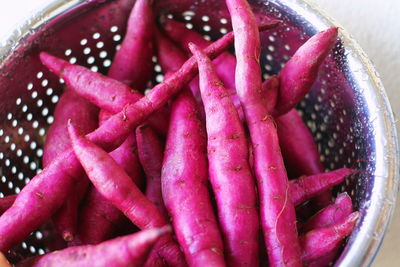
[[104, 92], [300, 72], [136, 49], [130, 250], [306, 187], [278, 217], [328, 216], [332, 214], [327, 259], [49, 189], [98, 217], [185, 185], [151, 153], [171, 58], [229, 168], [117, 187], [225, 64], [300, 150], [70, 106], [6, 202], [318, 242]]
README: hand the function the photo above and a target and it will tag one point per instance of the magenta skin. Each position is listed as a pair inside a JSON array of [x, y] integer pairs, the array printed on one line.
[[130, 250], [278, 218], [171, 58], [229, 170], [132, 63], [104, 92], [112, 182], [48, 190], [332, 214], [319, 242], [6, 202], [82, 112], [307, 187], [300, 150], [184, 186], [70, 106], [224, 65], [300, 72], [151, 154], [98, 217], [327, 259]]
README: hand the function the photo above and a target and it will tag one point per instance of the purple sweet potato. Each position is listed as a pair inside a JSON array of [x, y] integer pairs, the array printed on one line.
[[300, 150], [225, 64], [98, 217], [49, 189], [151, 154], [229, 169], [118, 188], [332, 214], [300, 72], [306, 187], [328, 216], [130, 250], [318, 242], [6, 202], [132, 63], [84, 113], [185, 185], [278, 219], [70, 106], [106, 93], [171, 58]]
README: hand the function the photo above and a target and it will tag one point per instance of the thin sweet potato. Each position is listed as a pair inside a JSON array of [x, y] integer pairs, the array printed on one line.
[[106, 93], [229, 169], [185, 185], [306, 187], [130, 250], [278, 217], [117, 187], [6, 202], [318, 242], [332, 214], [132, 63], [300, 72], [151, 153]]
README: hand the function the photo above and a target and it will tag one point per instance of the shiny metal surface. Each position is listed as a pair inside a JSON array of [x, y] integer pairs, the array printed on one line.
[[347, 108]]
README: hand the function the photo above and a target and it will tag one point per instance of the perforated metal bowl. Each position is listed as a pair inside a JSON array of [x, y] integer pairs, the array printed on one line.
[[347, 109]]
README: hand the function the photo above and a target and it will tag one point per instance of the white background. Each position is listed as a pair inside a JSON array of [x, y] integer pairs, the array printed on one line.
[[374, 24]]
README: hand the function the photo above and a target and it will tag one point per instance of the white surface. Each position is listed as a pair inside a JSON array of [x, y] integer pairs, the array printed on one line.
[[374, 24]]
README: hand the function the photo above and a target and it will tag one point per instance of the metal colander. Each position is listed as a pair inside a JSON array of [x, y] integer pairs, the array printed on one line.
[[347, 109]]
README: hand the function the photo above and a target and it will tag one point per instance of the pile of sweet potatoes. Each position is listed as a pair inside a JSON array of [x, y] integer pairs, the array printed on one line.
[[206, 150]]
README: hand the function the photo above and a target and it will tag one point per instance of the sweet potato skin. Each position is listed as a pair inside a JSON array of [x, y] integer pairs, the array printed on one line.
[[300, 72], [277, 212], [48, 190], [229, 168], [130, 250], [117, 187], [185, 185], [151, 154], [132, 63]]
